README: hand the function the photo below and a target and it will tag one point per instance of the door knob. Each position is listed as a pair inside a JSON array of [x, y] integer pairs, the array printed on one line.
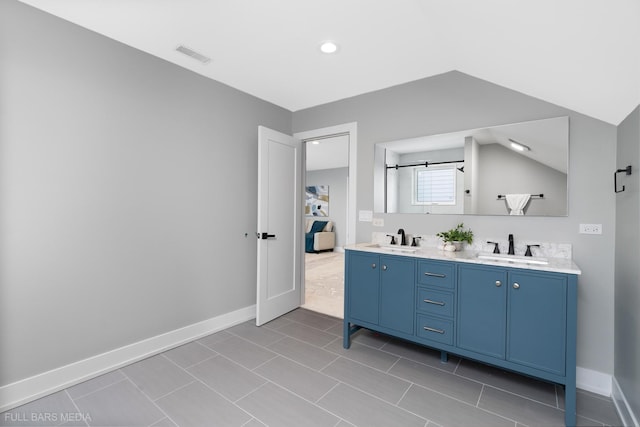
[[498, 283], [516, 286]]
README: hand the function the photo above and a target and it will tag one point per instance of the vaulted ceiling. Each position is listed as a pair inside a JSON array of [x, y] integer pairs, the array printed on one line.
[[579, 54]]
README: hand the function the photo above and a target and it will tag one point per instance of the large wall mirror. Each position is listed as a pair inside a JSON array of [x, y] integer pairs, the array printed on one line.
[[514, 169]]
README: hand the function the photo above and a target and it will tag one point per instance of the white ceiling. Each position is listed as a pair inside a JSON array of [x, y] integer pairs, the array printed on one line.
[[580, 54]]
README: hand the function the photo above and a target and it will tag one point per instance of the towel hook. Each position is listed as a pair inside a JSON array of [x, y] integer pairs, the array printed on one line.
[[627, 170]]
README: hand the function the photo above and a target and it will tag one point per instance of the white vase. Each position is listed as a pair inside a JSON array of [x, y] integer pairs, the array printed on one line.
[[449, 247]]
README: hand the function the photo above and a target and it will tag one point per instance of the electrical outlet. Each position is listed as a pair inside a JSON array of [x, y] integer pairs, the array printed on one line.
[[590, 228], [378, 222]]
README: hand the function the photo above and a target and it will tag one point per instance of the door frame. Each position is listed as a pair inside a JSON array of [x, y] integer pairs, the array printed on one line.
[[352, 130]]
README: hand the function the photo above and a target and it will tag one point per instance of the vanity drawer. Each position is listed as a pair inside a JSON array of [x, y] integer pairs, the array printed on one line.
[[434, 273], [435, 302], [434, 329]]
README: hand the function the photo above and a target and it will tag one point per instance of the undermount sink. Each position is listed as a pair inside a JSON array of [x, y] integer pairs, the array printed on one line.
[[394, 248], [514, 259]]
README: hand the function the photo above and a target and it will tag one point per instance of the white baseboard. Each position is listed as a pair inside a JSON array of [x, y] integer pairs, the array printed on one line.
[[593, 381], [32, 388], [627, 416]]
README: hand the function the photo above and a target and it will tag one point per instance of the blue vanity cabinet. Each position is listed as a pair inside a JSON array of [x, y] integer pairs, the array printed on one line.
[[363, 292], [397, 290], [519, 319], [516, 315], [482, 310], [537, 320], [380, 291]]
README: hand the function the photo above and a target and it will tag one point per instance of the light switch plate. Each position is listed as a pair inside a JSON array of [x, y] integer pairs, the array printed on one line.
[[590, 228], [378, 222]]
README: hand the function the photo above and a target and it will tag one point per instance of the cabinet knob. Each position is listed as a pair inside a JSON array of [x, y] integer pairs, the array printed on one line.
[[384, 267], [498, 283], [373, 265], [516, 286]]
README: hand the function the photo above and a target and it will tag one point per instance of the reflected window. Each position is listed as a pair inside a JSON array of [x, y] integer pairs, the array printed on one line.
[[435, 185]]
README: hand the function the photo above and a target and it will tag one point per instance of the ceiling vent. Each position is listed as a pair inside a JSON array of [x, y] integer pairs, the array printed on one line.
[[193, 54]]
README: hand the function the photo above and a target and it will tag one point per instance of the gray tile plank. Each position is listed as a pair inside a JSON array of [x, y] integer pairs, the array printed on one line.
[[189, 354], [46, 411], [213, 339], [241, 351], [313, 319], [306, 354], [420, 354], [510, 381], [520, 409], [196, 405], [165, 422], [301, 380], [278, 407], [95, 384], [120, 404], [443, 382], [226, 377], [277, 323], [254, 423], [256, 334], [360, 353], [369, 380], [448, 412], [593, 407], [369, 338], [364, 410], [307, 334], [157, 376]]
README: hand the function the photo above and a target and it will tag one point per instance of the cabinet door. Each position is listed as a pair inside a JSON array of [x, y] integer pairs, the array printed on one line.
[[363, 290], [537, 320], [482, 309], [397, 290]]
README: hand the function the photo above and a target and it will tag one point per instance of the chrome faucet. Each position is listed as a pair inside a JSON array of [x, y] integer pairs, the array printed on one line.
[[403, 238], [511, 251]]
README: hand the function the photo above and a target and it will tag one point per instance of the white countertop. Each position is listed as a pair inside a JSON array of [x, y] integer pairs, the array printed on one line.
[[557, 265]]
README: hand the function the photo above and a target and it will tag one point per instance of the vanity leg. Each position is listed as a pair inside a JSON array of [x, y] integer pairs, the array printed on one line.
[[444, 357], [346, 334], [570, 405]]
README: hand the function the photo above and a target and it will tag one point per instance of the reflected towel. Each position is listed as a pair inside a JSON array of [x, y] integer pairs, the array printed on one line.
[[517, 202]]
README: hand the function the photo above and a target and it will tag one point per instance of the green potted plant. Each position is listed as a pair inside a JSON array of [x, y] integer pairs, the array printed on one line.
[[454, 237]]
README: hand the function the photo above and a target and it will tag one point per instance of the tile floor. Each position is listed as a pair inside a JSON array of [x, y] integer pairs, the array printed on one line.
[[294, 372]]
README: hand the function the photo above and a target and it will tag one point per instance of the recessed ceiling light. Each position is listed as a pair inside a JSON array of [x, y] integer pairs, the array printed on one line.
[[518, 146], [328, 47]]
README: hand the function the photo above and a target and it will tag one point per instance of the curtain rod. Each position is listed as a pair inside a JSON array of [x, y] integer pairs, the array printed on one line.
[[425, 164]]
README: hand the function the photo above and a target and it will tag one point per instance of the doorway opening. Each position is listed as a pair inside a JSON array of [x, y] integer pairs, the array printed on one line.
[[329, 181]]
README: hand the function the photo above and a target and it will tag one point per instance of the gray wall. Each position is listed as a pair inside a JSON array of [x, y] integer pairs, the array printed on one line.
[[454, 101], [337, 180], [627, 287], [503, 171], [117, 220]]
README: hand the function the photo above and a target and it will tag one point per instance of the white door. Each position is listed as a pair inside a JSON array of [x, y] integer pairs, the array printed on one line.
[[279, 224]]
